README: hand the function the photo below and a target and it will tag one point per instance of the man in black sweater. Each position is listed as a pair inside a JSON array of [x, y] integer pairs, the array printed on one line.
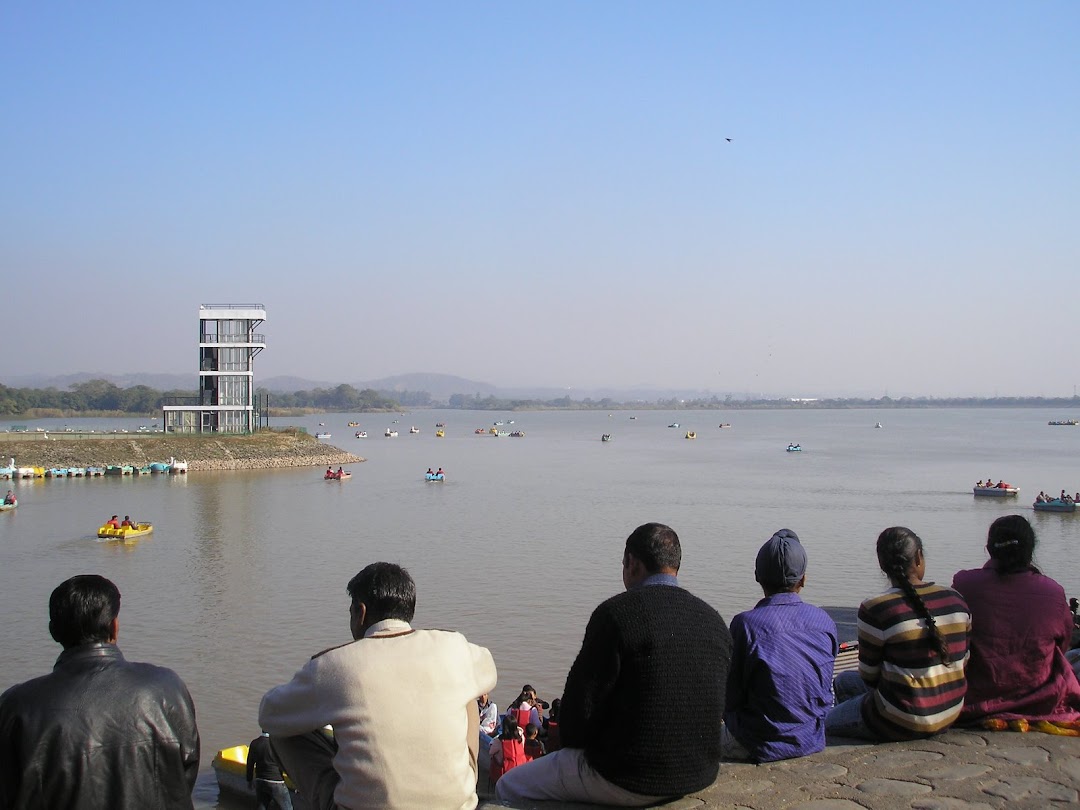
[[641, 714]]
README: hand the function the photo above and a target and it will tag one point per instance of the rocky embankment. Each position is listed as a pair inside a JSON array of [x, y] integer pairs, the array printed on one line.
[[265, 450]]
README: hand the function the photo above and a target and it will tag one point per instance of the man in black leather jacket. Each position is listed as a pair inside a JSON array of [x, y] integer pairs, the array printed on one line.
[[98, 731]]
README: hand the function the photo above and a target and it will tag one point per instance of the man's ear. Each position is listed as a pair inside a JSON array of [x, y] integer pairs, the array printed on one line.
[[114, 629]]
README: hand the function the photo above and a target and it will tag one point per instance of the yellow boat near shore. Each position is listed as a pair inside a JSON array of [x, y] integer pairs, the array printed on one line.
[[126, 532]]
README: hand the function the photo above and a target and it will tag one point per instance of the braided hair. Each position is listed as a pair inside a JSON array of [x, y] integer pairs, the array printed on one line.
[[896, 551], [1011, 543]]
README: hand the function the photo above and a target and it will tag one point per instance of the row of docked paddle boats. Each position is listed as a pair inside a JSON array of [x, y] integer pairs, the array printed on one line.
[[13, 471]]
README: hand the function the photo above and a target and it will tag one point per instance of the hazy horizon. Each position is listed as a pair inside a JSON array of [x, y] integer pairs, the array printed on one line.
[[830, 200]]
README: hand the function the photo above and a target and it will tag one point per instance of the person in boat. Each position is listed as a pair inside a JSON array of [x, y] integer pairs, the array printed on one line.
[[340, 472], [1001, 484], [10, 497], [980, 484], [910, 682], [507, 750], [132, 723], [631, 722], [527, 707], [429, 471], [489, 721], [264, 770], [1041, 498], [1021, 632], [127, 521], [777, 698], [376, 692], [439, 472], [113, 522], [534, 747]]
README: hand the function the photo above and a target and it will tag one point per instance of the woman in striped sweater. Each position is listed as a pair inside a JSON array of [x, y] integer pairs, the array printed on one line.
[[913, 645]]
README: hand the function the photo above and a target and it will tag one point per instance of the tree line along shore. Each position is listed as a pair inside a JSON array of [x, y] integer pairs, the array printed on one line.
[[263, 450]]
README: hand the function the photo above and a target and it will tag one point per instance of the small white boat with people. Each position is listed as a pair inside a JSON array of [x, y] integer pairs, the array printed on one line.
[[794, 448], [361, 434], [414, 429], [177, 467], [992, 490], [322, 435], [390, 434]]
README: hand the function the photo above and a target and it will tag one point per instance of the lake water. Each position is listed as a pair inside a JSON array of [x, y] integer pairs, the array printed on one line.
[[244, 576]]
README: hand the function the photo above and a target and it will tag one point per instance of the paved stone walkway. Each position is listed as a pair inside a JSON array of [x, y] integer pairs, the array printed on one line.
[[956, 770]]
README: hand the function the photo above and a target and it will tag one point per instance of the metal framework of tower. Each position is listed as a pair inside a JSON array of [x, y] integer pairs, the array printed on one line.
[[226, 402]]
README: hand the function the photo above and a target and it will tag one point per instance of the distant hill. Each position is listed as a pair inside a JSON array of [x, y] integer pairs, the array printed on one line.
[[440, 386]]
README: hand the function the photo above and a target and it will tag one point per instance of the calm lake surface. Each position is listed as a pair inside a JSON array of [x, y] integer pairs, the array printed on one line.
[[244, 576]]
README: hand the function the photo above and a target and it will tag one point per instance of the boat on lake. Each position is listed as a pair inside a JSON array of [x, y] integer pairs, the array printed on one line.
[[673, 425], [119, 469], [322, 435], [794, 448], [995, 492], [177, 467], [354, 424], [344, 475], [390, 434], [7, 507], [440, 433], [125, 532], [691, 434], [606, 437], [361, 434], [159, 466], [414, 429], [434, 477], [1069, 422], [1055, 505]]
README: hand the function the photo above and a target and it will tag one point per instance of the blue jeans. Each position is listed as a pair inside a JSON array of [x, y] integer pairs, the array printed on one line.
[[845, 718], [272, 795]]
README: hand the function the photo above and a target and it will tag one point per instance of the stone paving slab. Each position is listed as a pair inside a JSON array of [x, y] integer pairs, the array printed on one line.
[[956, 770]]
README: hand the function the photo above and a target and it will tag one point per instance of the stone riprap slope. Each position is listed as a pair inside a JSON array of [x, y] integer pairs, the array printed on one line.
[[264, 450]]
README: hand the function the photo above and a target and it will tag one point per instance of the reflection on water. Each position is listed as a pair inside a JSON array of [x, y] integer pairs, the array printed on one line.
[[244, 576]]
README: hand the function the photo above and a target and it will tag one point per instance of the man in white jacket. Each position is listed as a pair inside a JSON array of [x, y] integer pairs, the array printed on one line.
[[402, 704]]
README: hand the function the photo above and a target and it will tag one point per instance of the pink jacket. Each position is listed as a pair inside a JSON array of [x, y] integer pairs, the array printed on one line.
[[1020, 629]]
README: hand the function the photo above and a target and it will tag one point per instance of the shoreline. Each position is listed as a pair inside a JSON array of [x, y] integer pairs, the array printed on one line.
[[268, 449]]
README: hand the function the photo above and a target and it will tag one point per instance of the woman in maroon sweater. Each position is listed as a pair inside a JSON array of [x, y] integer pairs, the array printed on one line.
[[1021, 628]]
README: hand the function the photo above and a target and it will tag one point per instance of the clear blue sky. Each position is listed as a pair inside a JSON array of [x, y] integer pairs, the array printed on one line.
[[544, 193]]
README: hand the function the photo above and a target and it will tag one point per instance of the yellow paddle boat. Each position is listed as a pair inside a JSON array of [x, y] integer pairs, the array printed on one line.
[[125, 532]]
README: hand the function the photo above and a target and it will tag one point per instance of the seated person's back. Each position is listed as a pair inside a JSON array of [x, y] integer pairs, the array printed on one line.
[[779, 689]]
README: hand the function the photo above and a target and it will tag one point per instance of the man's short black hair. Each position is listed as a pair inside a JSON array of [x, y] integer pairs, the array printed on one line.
[[386, 590], [82, 609], [655, 546]]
